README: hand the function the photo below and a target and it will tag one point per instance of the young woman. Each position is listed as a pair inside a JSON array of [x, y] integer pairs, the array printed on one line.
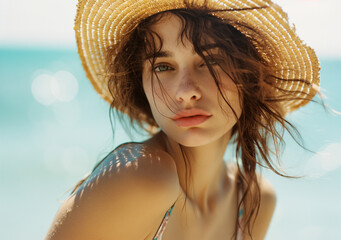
[[197, 75]]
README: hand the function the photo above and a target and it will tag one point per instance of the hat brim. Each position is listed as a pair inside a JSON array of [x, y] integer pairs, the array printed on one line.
[[103, 23]]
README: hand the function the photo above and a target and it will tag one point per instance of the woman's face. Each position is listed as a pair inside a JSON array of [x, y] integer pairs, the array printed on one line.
[[186, 103]]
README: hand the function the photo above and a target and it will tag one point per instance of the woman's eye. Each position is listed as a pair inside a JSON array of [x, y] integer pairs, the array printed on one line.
[[162, 68], [210, 62]]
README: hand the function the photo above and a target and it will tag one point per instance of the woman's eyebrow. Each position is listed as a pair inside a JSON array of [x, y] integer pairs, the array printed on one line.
[[159, 55]]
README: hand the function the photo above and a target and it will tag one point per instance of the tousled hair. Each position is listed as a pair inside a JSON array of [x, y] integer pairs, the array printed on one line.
[[262, 121]]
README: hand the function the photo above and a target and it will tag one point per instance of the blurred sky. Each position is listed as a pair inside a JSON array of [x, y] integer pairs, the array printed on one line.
[[49, 23]]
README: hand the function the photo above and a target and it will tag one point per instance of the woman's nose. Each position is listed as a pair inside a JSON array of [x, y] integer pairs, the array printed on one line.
[[188, 89]]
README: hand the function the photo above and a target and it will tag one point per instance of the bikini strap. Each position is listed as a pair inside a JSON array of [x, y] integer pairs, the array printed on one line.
[[162, 227]]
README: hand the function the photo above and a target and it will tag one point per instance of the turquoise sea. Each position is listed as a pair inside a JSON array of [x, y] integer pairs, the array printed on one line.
[[54, 128]]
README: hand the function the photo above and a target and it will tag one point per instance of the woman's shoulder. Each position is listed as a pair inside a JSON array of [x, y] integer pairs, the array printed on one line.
[[132, 186], [135, 162], [136, 170], [267, 190]]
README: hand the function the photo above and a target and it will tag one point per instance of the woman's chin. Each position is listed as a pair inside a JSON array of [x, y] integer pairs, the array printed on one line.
[[193, 138]]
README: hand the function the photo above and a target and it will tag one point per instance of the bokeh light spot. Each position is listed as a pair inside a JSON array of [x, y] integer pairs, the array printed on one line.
[[61, 86], [41, 89], [64, 86]]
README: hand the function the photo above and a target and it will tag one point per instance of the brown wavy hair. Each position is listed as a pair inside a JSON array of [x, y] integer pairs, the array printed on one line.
[[262, 121]]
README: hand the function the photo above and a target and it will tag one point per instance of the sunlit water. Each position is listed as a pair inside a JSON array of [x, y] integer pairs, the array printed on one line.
[[54, 128]]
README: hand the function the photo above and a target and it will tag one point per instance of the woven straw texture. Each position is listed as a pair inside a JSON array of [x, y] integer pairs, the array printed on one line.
[[100, 24]]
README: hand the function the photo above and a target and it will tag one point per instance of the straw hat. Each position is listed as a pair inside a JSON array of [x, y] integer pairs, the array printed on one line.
[[102, 23]]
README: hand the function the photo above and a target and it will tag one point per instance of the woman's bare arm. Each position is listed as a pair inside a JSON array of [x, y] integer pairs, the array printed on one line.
[[122, 199]]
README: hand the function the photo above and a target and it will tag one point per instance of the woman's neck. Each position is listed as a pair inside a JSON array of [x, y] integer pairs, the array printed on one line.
[[207, 179]]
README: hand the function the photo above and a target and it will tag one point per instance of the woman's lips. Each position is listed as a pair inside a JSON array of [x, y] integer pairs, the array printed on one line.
[[191, 121], [191, 117]]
